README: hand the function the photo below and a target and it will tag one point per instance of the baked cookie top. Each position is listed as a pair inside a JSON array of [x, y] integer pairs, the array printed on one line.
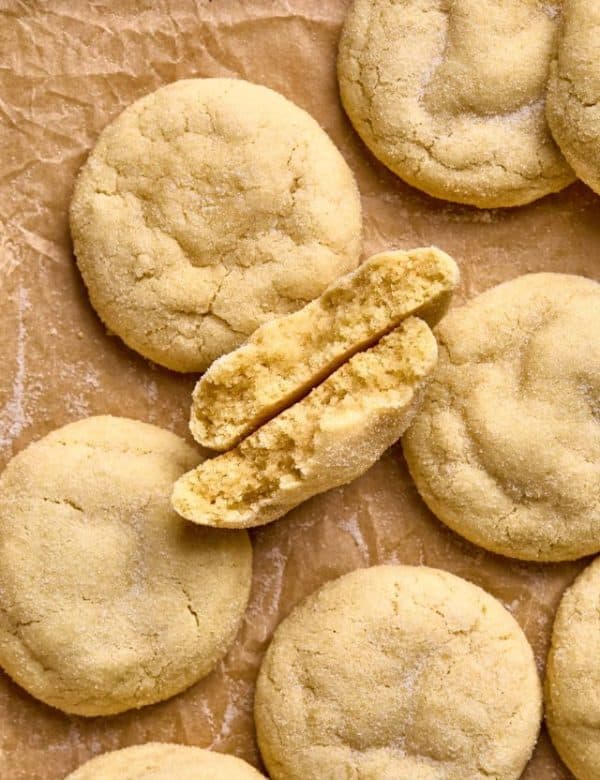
[[109, 600], [573, 677], [398, 673], [163, 761], [206, 208], [450, 96], [506, 446], [573, 105]]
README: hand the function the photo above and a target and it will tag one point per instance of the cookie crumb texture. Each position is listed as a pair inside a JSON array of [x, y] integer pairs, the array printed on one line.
[[162, 761], [451, 96], [108, 600], [328, 439], [573, 676], [205, 209], [398, 673], [284, 358], [506, 447], [573, 106]]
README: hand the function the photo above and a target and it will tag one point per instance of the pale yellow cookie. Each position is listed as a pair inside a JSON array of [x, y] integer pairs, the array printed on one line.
[[329, 438], [573, 676], [506, 447], [108, 600], [163, 761], [573, 105], [398, 673], [205, 209], [450, 96], [284, 358]]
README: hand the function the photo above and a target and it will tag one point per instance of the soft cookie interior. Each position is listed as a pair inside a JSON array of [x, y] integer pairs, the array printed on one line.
[[284, 358], [328, 438]]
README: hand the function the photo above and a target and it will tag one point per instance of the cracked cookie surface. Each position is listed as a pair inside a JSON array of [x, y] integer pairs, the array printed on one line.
[[108, 600], [205, 209], [286, 357], [329, 438], [398, 673], [450, 95], [573, 678], [573, 105], [506, 447], [162, 761]]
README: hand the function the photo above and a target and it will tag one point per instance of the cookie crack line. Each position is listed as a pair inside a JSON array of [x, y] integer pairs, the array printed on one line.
[[62, 502], [189, 605]]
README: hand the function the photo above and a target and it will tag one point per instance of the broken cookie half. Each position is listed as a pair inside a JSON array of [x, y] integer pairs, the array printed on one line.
[[330, 437], [288, 356]]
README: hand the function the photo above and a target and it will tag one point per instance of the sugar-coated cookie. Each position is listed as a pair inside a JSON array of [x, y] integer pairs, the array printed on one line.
[[286, 357], [573, 676], [329, 438], [205, 209], [573, 104], [108, 599], [398, 673], [450, 96], [506, 446], [163, 761]]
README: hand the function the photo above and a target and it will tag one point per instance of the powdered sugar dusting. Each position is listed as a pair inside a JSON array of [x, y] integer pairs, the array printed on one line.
[[528, 111], [239, 701], [83, 379], [13, 415], [512, 606], [412, 675], [352, 526], [268, 585], [229, 717], [9, 258]]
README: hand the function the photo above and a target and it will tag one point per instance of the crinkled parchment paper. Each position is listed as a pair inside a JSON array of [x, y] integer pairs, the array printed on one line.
[[67, 68]]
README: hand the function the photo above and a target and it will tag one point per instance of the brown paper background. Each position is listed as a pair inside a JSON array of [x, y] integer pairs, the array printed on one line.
[[67, 68]]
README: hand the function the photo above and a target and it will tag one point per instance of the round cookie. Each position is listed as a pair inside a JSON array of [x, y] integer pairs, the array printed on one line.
[[506, 446], [163, 761], [573, 676], [398, 673], [108, 599], [450, 96], [205, 209], [573, 104]]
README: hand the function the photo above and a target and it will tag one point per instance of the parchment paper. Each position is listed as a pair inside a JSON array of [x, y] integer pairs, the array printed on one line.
[[68, 67]]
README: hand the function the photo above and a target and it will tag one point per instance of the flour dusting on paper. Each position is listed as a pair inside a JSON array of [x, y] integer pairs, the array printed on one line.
[[353, 528], [13, 415]]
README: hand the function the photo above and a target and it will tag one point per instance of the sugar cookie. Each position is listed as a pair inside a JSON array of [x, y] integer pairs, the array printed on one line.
[[573, 676], [108, 600], [163, 761], [573, 105], [450, 96], [398, 673], [205, 209], [506, 447], [329, 438], [284, 358]]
